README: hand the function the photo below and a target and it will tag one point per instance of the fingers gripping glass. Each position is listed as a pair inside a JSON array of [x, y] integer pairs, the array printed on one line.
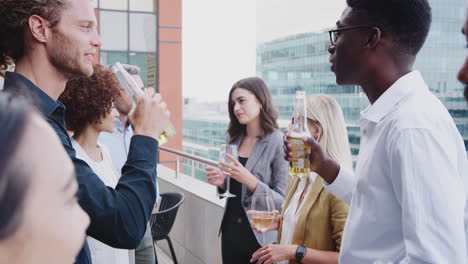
[[231, 150], [263, 207], [334, 34], [135, 92]]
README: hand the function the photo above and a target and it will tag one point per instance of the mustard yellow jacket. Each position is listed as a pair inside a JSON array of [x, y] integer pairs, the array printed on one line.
[[321, 220]]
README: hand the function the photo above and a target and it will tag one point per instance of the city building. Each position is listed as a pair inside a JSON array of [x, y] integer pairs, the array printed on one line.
[[147, 33], [300, 62]]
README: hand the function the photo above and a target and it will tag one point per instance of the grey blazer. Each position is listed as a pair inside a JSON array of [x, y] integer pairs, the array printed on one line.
[[267, 163]]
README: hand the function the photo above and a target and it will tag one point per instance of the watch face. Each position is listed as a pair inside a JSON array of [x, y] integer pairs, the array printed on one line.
[[300, 253]]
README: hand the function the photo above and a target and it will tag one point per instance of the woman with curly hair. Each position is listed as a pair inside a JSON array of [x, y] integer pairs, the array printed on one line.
[[90, 110]]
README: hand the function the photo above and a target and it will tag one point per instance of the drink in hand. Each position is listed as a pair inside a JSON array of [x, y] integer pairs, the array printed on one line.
[[299, 166], [135, 92], [300, 163], [263, 222]]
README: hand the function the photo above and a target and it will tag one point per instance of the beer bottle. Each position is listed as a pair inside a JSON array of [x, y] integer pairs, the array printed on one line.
[[299, 166]]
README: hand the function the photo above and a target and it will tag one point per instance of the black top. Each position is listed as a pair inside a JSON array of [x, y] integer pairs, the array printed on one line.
[[118, 216], [234, 206]]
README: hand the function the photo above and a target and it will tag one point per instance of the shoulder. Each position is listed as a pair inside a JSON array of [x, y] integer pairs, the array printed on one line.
[[275, 137], [422, 111]]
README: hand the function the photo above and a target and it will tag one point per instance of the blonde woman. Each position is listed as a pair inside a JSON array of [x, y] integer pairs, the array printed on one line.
[[312, 220]]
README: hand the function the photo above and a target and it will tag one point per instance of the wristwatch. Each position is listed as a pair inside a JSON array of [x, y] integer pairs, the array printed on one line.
[[300, 253]]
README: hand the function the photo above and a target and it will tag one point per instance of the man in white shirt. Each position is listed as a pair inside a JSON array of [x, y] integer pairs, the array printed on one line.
[[118, 143], [408, 196]]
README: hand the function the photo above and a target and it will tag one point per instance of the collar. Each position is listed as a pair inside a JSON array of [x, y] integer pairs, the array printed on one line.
[[119, 126], [403, 87], [17, 83]]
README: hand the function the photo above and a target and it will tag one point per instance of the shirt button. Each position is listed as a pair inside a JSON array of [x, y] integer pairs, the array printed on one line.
[[239, 220], [246, 204]]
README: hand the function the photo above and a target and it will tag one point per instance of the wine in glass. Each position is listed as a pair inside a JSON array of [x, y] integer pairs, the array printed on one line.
[[263, 215], [230, 149]]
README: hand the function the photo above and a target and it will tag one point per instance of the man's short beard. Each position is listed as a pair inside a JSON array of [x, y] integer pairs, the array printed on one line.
[[63, 57]]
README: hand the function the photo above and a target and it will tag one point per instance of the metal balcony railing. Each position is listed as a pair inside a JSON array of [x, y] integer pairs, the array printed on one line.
[[185, 156]]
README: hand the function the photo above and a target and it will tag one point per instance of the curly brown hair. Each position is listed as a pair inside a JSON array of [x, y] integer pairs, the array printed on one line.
[[14, 16], [89, 99]]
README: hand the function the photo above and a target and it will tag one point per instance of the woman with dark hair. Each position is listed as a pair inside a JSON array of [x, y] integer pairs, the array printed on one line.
[[41, 220], [260, 167], [90, 110]]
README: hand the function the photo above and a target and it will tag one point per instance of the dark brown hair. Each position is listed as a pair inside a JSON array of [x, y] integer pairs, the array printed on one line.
[[14, 17], [14, 177], [268, 113], [89, 99]]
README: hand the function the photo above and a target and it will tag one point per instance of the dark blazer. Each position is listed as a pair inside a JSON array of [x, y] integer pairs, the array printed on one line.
[[118, 216], [267, 163]]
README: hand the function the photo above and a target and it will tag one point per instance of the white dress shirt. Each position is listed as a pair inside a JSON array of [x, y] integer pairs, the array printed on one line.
[[100, 252], [292, 212], [408, 196]]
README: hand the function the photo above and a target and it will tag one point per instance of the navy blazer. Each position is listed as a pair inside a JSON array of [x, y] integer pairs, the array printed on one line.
[[118, 216]]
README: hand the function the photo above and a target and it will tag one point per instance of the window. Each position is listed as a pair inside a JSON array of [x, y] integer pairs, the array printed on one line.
[[143, 5], [113, 4], [142, 32], [113, 30], [108, 57], [147, 64]]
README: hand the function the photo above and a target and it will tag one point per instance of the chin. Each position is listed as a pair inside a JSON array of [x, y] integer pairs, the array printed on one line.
[[88, 71]]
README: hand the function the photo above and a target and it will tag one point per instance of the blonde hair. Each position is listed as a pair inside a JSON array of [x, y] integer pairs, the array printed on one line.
[[334, 138]]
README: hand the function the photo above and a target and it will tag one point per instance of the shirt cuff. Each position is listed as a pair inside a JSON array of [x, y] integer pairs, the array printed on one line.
[[343, 185]]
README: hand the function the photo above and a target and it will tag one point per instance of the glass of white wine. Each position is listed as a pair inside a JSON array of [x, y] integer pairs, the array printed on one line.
[[263, 215], [230, 149]]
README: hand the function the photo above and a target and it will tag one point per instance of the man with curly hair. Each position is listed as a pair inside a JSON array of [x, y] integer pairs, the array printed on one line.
[[408, 197], [51, 42]]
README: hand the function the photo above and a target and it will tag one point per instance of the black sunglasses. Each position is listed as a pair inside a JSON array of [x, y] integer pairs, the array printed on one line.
[[334, 33]]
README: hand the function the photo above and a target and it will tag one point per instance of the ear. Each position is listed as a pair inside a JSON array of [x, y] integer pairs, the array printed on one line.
[[319, 131], [374, 38], [38, 27]]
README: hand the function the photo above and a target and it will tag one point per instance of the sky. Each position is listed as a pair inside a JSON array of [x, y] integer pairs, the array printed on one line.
[[219, 38]]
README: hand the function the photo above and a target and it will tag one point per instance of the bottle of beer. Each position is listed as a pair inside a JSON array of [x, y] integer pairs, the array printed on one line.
[[299, 166]]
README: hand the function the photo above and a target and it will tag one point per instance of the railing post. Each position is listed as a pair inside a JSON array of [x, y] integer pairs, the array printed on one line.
[[177, 167]]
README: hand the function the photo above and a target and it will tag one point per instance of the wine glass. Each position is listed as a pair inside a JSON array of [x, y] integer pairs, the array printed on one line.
[[263, 215], [230, 149]]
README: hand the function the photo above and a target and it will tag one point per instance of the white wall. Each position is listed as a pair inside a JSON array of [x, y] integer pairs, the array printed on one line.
[[218, 46], [195, 231]]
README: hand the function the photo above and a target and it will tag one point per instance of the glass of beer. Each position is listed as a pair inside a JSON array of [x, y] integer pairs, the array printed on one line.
[[263, 215], [135, 92]]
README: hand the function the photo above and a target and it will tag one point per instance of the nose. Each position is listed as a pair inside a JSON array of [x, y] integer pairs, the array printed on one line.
[[236, 107], [463, 73], [96, 39], [331, 49]]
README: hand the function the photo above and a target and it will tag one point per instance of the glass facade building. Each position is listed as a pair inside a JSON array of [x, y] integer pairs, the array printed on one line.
[[203, 137], [300, 62], [128, 30]]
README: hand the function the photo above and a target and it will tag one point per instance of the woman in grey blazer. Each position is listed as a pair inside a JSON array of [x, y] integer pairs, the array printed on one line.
[[259, 168]]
